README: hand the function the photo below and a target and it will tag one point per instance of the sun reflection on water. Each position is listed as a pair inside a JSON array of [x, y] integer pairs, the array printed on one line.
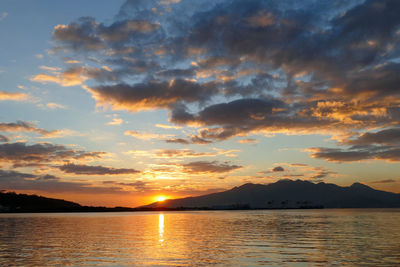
[[161, 228]]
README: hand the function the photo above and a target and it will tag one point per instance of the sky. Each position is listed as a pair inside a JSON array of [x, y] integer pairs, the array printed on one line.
[[117, 103]]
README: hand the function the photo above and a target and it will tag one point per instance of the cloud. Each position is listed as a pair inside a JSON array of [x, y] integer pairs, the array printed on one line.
[[3, 16], [115, 121], [168, 2], [52, 69], [137, 185], [52, 105], [389, 136], [248, 141], [70, 77], [278, 169], [152, 95], [94, 170], [262, 19], [13, 180], [23, 126], [21, 154], [87, 35], [124, 30], [188, 153], [379, 145], [4, 138], [208, 167], [191, 140], [357, 153], [244, 116], [146, 135], [79, 35], [165, 126], [296, 170], [4, 96], [182, 153], [339, 155], [181, 141], [384, 181]]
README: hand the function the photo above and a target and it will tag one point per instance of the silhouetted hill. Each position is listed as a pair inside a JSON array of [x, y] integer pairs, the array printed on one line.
[[21, 202], [289, 194], [12, 202]]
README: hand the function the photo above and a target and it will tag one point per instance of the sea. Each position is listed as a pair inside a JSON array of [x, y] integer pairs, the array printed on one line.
[[320, 237]]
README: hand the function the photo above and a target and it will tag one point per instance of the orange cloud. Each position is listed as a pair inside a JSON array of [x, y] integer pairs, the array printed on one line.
[[147, 135], [13, 96], [70, 77], [115, 121]]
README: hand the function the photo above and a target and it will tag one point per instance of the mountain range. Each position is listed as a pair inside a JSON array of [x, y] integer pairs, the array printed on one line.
[[288, 194], [284, 194]]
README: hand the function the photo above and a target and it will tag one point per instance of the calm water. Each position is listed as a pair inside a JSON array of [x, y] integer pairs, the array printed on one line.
[[280, 238]]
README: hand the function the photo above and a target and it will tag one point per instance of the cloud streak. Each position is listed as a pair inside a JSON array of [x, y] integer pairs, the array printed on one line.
[[198, 167], [22, 154], [94, 170], [23, 126], [13, 96], [13, 180]]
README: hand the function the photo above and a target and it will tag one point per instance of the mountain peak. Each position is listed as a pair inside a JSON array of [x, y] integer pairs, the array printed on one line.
[[360, 186]]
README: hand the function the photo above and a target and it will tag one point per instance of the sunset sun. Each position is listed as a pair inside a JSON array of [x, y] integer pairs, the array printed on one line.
[[160, 198]]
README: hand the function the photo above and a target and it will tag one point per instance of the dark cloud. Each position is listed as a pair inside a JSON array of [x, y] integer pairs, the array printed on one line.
[[237, 112], [137, 185], [208, 167], [278, 169], [321, 175], [340, 155], [94, 170], [79, 35], [153, 94], [190, 140], [384, 137], [87, 34], [248, 115], [23, 126], [177, 73], [381, 145], [357, 153], [199, 140], [124, 30], [4, 138], [384, 181], [13, 180], [181, 141], [181, 153], [21, 154]]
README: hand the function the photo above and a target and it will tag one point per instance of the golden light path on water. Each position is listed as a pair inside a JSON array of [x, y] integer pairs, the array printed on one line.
[[161, 228]]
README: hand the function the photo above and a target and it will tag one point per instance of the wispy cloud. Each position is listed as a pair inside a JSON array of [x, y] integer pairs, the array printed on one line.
[[14, 180], [41, 154], [147, 135], [13, 96], [115, 121], [94, 170], [3, 16]]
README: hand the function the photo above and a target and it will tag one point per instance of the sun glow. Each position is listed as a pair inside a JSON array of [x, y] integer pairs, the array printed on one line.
[[160, 198]]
